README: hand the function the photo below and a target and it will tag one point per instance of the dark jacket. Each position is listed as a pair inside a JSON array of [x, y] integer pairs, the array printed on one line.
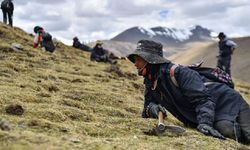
[[9, 7], [192, 102], [98, 53], [78, 44], [226, 47], [45, 40]]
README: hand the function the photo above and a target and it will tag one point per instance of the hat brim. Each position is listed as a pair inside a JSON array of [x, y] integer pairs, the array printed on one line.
[[150, 58]]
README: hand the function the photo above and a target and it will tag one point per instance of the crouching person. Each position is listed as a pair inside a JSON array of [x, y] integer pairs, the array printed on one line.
[[79, 45], [214, 109], [44, 39], [100, 54]]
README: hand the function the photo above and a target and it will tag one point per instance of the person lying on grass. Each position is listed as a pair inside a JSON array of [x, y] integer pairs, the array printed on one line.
[[214, 108]]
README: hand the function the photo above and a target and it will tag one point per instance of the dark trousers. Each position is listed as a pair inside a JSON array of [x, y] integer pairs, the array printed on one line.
[[239, 130], [225, 63], [8, 14], [48, 45]]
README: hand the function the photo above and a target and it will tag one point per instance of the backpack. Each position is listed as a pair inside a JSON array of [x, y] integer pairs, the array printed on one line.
[[213, 74], [47, 42], [5, 4], [46, 36]]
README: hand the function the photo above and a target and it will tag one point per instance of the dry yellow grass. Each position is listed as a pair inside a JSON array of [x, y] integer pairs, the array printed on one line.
[[73, 103]]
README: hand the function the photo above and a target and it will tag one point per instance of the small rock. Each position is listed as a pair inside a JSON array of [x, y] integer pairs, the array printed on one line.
[[14, 109], [33, 123], [76, 80], [75, 140], [53, 88], [109, 140], [22, 86], [4, 125], [64, 130], [16, 47], [170, 130]]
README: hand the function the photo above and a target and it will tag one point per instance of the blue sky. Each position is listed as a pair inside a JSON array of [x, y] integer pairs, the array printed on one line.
[[103, 19], [163, 14]]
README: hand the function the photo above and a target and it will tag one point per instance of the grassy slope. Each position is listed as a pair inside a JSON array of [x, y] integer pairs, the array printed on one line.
[[73, 103]]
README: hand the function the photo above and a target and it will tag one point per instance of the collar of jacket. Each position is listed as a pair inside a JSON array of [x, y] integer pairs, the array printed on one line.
[[153, 76]]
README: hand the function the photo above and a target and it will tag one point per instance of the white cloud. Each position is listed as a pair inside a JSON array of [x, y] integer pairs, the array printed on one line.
[[103, 19], [91, 8]]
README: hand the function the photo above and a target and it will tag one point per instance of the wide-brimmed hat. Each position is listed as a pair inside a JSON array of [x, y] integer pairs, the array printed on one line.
[[99, 42], [221, 35], [150, 51]]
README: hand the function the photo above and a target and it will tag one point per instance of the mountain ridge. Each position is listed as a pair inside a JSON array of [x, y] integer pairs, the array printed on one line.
[[172, 37]]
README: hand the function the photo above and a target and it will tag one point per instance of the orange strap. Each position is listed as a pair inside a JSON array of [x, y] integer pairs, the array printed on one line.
[[171, 73]]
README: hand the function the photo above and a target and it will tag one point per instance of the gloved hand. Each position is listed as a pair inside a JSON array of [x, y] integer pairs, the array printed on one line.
[[207, 130], [152, 110]]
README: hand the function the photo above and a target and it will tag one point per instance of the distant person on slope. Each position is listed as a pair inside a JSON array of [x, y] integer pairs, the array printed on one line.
[[7, 8], [44, 39], [226, 49], [100, 54], [79, 45], [212, 107]]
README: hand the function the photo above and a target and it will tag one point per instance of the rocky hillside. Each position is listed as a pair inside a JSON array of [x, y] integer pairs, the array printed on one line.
[[209, 51], [65, 101]]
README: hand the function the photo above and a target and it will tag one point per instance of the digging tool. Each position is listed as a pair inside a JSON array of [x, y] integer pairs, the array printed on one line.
[[161, 129]]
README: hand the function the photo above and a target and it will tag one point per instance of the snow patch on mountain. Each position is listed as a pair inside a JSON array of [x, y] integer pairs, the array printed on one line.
[[177, 34], [213, 34], [181, 34], [167, 36], [147, 31]]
